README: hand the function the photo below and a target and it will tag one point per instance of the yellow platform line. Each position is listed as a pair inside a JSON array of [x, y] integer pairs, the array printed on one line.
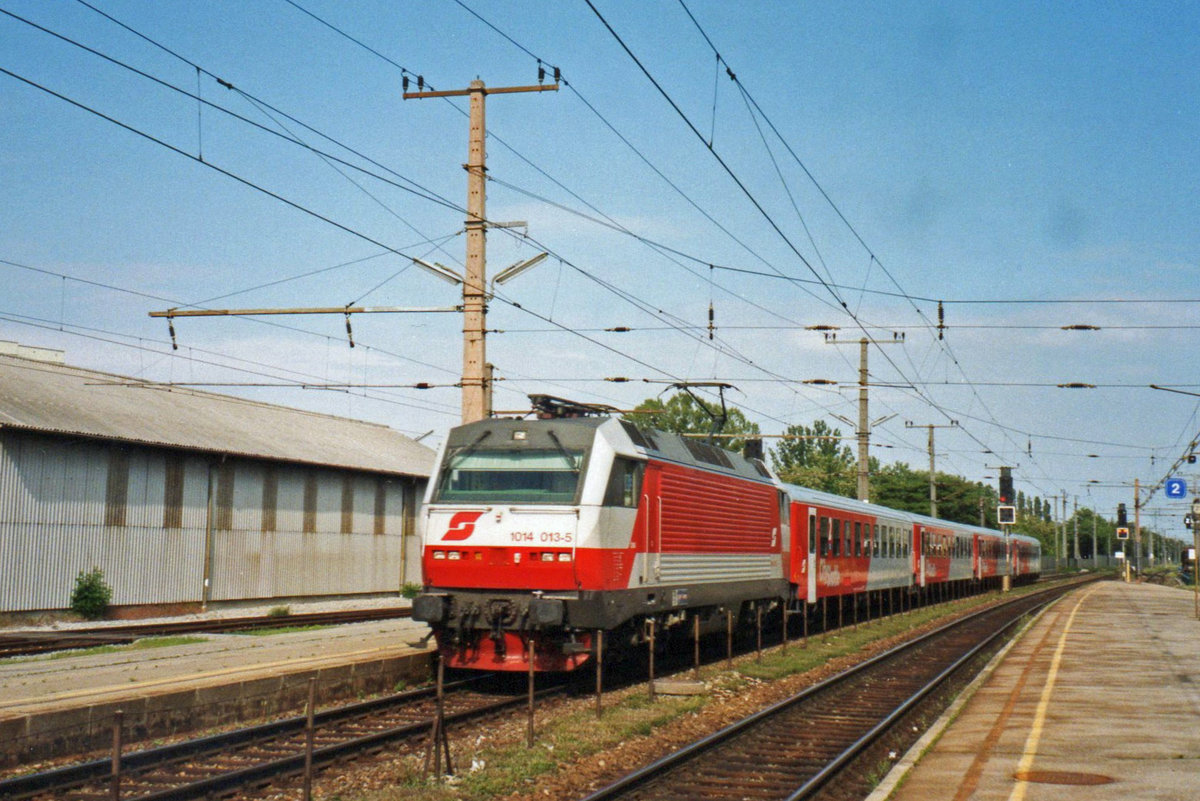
[[1039, 718]]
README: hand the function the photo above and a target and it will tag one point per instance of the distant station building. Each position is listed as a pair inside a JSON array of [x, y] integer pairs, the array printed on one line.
[[186, 498]]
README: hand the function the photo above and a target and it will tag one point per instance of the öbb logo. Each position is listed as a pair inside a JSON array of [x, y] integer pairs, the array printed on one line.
[[462, 526]]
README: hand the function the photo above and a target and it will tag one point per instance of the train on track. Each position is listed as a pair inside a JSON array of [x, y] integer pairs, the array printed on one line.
[[546, 532]]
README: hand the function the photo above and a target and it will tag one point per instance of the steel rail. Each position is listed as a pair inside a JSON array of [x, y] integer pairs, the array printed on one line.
[[290, 765], [883, 726], [140, 761], [631, 782]]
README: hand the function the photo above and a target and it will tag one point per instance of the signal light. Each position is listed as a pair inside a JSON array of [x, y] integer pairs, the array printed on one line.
[[1007, 495], [1122, 520]]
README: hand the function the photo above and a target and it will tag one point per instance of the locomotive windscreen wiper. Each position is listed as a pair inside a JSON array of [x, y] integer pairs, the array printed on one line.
[[574, 468], [467, 451]]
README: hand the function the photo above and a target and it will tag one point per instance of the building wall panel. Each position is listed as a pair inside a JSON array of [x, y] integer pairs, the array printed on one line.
[[55, 499]]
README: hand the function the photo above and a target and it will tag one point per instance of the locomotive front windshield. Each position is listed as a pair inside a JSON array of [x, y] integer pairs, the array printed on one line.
[[511, 476]]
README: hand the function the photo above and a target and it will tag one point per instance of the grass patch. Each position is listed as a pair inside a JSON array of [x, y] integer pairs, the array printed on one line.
[[849, 640], [489, 771], [270, 631], [136, 645]]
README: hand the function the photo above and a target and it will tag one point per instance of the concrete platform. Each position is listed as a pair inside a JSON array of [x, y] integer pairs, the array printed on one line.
[[65, 705], [1100, 699]]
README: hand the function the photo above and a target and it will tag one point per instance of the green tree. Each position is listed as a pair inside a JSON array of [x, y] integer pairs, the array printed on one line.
[[814, 456], [682, 414], [900, 487], [960, 500]]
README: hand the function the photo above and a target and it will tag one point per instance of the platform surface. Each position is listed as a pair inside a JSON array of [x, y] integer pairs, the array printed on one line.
[[51, 705], [41, 683], [1100, 699]]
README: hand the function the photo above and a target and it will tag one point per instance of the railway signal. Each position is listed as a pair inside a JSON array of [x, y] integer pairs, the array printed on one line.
[[1007, 496], [1006, 512]]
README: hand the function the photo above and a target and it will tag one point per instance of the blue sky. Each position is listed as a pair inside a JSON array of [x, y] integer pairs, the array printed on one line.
[[980, 154]]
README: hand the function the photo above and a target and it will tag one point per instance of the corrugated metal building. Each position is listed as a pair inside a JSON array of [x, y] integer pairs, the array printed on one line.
[[185, 497]]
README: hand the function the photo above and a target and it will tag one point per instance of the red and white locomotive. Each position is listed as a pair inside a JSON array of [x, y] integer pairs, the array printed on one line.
[[547, 531]]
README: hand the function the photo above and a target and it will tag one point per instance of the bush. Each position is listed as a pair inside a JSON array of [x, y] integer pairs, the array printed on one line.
[[91, 595], [411, 589], [279, 611]]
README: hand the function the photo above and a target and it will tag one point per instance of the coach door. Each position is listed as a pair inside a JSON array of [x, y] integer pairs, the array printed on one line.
[[919, 535], [803, 540], [811, 560]]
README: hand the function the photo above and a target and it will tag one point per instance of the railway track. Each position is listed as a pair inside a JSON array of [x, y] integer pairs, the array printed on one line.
[[803, 745], [29, 643], [246, 758]]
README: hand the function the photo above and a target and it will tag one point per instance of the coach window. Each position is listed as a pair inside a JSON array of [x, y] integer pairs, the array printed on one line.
[[875, 539], [824, 536], [812, 533], [836, 536], [624, 483]]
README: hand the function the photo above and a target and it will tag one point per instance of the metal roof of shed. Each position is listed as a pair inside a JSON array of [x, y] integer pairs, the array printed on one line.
[[57, 399]]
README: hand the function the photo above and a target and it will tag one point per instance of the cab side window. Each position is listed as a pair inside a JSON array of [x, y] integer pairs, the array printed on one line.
[[624, 483]]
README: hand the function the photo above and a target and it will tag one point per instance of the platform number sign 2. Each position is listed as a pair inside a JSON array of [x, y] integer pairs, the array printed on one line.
[[1176, 488]]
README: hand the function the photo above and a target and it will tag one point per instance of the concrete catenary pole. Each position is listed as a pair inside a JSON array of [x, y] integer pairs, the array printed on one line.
[[475, 405]]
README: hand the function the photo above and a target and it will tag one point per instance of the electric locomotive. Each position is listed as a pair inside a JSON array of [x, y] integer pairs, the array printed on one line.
[[546, 531]]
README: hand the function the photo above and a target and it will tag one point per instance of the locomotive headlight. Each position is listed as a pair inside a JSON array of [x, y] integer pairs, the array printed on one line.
[[439, 554], [564, 557], [454, 555], [547, 557]]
